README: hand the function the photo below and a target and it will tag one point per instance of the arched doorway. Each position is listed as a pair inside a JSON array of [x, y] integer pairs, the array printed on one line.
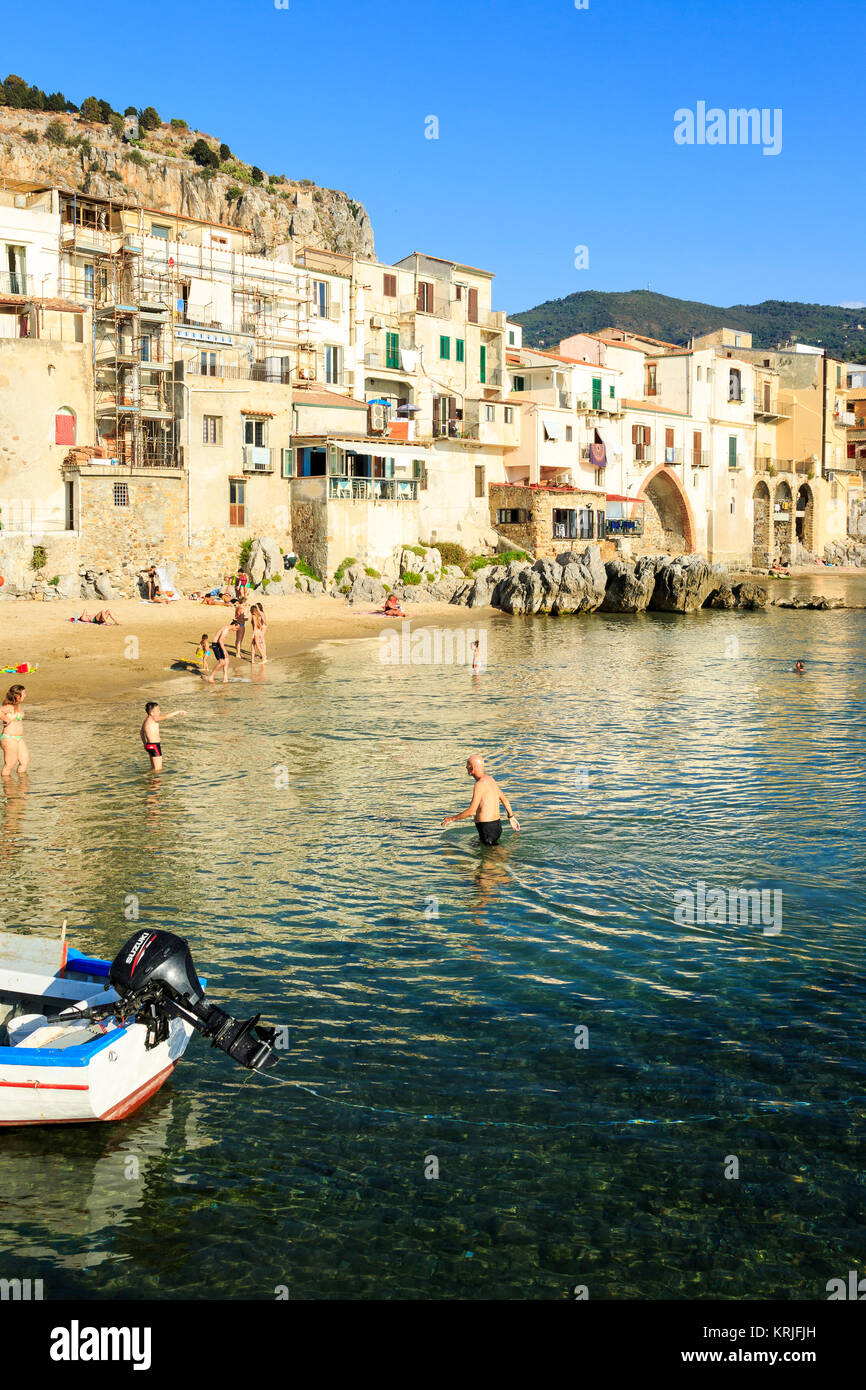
[[783, 519], [669, 525], [804, 517], [762, 531]]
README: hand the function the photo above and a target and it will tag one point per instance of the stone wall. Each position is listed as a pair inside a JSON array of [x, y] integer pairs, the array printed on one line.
[[535, 534]]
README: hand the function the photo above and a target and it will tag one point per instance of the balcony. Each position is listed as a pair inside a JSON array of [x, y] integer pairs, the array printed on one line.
[[672, 457], [256, 371], [373, 489], [643, 453], [699, 458], [844, 417], [16, 282], [623, 526], [258, 459]]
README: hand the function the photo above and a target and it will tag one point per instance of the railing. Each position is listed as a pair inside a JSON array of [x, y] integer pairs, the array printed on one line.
[[258, 459], [764, 406], [699, 458], [623, 526], [672, 456], [16, 282], [844, 417], [373, 489], [257, 371], [643, 453], [736, 461]]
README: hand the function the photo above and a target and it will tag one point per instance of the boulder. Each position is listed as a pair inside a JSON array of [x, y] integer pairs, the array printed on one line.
[[749, 595], [104, 588], [68, 586], [683, 584], [480, 594], [629, 586]]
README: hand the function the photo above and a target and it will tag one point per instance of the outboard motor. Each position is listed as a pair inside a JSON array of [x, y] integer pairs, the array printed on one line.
[[156, 981]]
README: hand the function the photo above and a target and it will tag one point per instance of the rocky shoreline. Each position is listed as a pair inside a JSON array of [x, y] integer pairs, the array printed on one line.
[[575, 582]]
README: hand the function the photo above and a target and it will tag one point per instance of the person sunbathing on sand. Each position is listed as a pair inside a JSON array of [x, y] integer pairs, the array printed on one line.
[[391, 607], [104, 618]]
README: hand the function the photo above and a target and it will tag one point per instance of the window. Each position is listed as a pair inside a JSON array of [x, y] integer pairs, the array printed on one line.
[[736, 340], [288, 463], [480, 482], [320, 299], [161, 232], [482, 366], [612, 391], [64, 426], [121, 494], [16, 260], [392, 350], [489, 413], [596, 393], [419, 473], [208, 362], [509, 415], [732, 451], [700, 373], [641, 438], [735, 387], [459, 349], [255, 432], [472, 311], [651, 371], [669, 446], [425, 297], [334, 365], [212, 429], [511, 516], [237, 502], [88, 282], [569, 434], [458, 293], [389, 286], [697, 448], [838, 377], [445, 349], [599, 479], [511, 337], [69, 492], [518, 383]]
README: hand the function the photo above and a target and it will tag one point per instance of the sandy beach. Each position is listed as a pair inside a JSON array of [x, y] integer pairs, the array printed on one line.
[[153, 642]]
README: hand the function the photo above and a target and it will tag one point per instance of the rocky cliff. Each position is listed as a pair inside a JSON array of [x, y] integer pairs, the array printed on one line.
[[157, 171]]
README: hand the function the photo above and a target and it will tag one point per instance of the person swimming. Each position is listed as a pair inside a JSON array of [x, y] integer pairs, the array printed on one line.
[[799, 667], [15, 750], [484, 805]]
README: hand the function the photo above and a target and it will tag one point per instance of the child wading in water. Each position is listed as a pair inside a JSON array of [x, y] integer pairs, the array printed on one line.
[[15, 751], [202, 653], [153, 717]]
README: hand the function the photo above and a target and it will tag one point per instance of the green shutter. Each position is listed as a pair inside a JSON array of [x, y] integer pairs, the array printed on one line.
[[460, 349], [482, 366], [732, 451], [445, 349], [288, 463], [596, 392], [612, 390], [392, 350]]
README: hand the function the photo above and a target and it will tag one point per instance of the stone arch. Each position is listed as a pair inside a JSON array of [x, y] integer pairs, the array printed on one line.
[[762, 530], [804, 517], [669, 523], [783, 520]]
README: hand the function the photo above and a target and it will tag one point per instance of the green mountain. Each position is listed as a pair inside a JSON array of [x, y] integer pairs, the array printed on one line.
[[841, 331]]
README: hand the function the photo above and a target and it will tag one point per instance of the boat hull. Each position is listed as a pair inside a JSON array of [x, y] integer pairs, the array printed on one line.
[[109, 1082]]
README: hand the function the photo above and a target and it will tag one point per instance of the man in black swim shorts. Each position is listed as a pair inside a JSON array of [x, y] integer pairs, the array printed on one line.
[[484, 805]]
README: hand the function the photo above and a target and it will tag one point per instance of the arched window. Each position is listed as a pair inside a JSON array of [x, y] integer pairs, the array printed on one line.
[[64, 426]]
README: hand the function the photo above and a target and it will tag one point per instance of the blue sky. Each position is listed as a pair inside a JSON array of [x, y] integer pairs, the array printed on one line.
[[555, 127]]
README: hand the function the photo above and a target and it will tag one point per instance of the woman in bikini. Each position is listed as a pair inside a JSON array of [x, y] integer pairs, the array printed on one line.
[[102, 618], [15, 750], [260, 627]]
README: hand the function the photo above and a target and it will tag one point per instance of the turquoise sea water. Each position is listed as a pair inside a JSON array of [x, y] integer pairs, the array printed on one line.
[[434, 992]]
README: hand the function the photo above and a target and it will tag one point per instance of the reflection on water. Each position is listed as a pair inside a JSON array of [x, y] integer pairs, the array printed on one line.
[[433, 991]]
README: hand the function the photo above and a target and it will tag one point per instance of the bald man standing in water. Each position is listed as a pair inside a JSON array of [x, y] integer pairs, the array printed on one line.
[[484, 805]]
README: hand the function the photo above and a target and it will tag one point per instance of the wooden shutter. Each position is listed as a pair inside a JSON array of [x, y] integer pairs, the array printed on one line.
[[669, 439], [64, 429], [634, 434], [390, 287], [473, 305]]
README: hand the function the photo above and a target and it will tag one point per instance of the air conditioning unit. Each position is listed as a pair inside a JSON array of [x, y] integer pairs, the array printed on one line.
[[377, 419], [377, 321], [335, 310], [307, 373]]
